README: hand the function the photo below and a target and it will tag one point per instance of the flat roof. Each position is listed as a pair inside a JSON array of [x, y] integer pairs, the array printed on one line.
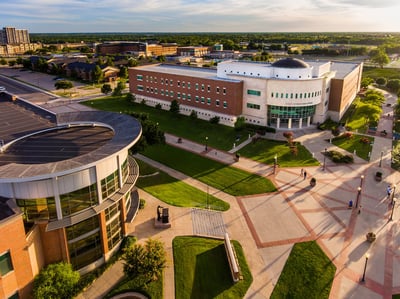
[[36, 146], [198, 72]]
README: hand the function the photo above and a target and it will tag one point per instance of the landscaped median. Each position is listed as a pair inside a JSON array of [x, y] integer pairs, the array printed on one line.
[[228, 179]]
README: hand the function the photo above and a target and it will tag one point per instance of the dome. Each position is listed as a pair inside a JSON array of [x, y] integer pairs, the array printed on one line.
[[290, 63]]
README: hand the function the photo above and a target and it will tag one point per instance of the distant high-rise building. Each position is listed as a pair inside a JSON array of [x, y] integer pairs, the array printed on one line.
[[12, 36]]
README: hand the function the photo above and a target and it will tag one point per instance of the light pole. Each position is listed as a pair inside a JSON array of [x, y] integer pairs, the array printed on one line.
[[394, 190], [275, 162], [365, 267], [380, 162], [361, 180], [206, 143], [325, 158], [358, 195], [391, 214]]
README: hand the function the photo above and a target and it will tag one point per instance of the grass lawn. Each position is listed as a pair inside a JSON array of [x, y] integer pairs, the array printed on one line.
[[354, 144], [264, 151], [202, 269], [377, 72], [361, 114], [219, 136], [175, 192], [152, 290], [308, 273], [218, 175]]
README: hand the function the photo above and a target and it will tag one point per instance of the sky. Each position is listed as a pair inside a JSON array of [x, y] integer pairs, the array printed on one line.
[[67, 16]]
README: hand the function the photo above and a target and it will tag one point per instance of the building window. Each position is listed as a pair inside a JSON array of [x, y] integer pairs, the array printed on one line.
[[178, 83], [5, 263], [189, 97], [125, 170], [208, 88], [272, 94], [217, 89], [86, 250], [171, 94], [82, 228], [224, 90], [217, 103], [202, 100], [208, 101], [287, 95], [109, 184], [253, 106], [202, 87], [254, 92], [38, 208], [162, 81], [166, 81], [188, 85], [197, 86], [184, 96], [81, 199], [197, 99], [114, 233], [171, 82], [156, 90], [183, 84], [178, 95], [139, 77], [276, 95], [225, 104]]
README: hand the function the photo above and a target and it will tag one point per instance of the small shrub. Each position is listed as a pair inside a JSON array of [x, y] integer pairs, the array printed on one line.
[[193, 114], [348, 135], [158, 106], [335, 131], [214, 120], [364, 140], [142, 203], [143, 102]]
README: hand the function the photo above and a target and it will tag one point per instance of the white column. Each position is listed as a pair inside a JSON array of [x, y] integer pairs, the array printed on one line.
[[278, 123], [289, 125], [300, 123], [57, 200], [308, 121]]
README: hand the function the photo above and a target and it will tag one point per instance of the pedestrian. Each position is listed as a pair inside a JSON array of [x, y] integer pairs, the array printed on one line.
[[302, 172], [388, 191], [305, 174], [359, 209]]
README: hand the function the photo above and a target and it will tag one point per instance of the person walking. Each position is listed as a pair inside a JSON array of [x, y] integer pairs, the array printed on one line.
[[359, 209], [302, 172], [388, 191], [305, 174]]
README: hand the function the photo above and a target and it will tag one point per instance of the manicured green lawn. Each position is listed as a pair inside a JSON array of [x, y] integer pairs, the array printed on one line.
[[220, 176], [354, 143], [361, 115], [308, 273], [152, 290], [177, 193], [219, 136], [264, 151], [202, 269]]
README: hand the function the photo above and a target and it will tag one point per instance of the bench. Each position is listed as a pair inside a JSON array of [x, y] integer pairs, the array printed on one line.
[[232, 259]]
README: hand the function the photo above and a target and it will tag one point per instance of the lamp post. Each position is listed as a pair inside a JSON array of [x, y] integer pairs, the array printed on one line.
[[380, 161], [206, 143], [391, 214], [361, 180], [325, 158], [394, 190], [275, 162], [365, 267], [358, 195]]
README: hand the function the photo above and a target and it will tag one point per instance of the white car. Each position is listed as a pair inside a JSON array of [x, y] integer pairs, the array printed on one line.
[[2, 89]]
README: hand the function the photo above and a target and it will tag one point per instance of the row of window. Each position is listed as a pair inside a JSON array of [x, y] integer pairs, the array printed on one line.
[[253, 106], [183, 96], [182, 84], [296, 95], [285, 112], [72, 202]]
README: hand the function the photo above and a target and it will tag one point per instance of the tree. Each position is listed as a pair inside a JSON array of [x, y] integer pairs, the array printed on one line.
[[174, 107], [380, 58], [123, 72], [365, 82], [118, 90], [240, 123], [381, 81], [56, 281], [63, 84], [106, 89], [393, 85], [131, 98], [146, 261], [97, 74]]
